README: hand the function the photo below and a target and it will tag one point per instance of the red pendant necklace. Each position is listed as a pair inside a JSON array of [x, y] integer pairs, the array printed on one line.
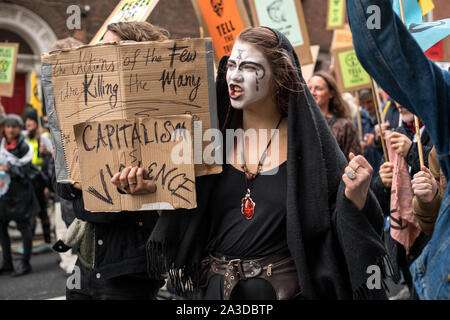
[[247, 203]]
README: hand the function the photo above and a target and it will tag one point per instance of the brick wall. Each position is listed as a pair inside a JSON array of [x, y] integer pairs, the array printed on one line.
[[442, 11], [179, 18]]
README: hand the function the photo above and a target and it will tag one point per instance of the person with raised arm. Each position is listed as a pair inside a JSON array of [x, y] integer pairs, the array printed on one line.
[[397, 63]]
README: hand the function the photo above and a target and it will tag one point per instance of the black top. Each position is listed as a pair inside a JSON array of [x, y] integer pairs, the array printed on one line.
[[265, 233]]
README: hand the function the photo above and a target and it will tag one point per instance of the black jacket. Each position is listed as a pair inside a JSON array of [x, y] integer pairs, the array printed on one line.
[[117, 241], [20, 202]]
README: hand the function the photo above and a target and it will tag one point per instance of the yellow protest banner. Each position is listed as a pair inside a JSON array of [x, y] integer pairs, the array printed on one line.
[[126, 11], [35, 101], [336, 14], [350, 75], [426, 5]]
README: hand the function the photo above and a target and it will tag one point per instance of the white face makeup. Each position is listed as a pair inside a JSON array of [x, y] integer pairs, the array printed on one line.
[[248, 76]]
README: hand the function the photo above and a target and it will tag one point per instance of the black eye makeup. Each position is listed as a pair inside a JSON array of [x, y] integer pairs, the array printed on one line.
[[248, 66]]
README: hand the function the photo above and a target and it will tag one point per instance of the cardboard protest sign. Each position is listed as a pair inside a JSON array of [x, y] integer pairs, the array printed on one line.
[[336, 14], [342, 38], [162, 146], [287, 17], [127, 81], [308, 70], [8, 59], [223, 21], [126, 11], [350, 75]]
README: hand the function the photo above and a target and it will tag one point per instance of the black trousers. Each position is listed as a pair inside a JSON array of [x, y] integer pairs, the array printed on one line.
[[250, 289], [43, 214], [127, 287], [24, 227]]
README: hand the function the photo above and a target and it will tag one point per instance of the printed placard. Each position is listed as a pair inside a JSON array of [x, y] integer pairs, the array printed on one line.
[[342, 38], [126, 81], [287, 17], [8, 59], [223, 21], [350, 75], [308, 69], [336, 14], [161, 146], [126, 11]]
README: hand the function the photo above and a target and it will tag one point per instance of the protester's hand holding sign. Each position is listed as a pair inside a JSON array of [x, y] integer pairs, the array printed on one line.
[[131, 181], [400, 143], [357, 176], [424, 185], [386, 170], [77, 185]]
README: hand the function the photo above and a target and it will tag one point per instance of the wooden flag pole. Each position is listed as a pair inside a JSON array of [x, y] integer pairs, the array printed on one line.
[[377, 110], [416, 119], [358, 116], [377, 97]]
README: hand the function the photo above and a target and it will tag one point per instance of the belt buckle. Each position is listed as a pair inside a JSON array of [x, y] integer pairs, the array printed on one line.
[[232, 261], [237, 263]]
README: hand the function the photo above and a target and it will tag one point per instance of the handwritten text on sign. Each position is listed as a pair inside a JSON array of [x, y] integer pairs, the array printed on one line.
[[113, 82], [107, 147]]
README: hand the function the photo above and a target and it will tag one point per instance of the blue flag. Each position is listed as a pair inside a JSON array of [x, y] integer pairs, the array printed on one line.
[[411, 9], [427, 34]]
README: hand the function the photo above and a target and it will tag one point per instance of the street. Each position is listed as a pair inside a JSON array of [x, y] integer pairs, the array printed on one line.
[[46, 281]]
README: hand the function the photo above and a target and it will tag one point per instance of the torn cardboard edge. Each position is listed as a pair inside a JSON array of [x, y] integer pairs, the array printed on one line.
[[107, 147], [61, 161]]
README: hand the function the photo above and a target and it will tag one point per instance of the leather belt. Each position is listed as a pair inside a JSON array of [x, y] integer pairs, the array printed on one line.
[[235, 270]]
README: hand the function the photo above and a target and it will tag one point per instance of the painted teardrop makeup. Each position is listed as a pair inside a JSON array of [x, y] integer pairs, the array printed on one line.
[[248, 75]]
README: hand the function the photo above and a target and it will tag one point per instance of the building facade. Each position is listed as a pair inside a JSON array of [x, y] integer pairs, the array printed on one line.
[[37, 24]]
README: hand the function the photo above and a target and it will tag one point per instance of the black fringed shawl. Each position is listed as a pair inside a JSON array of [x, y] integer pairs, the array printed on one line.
[[332, 243]]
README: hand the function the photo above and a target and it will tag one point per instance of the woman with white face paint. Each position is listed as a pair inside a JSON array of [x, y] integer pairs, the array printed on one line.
[[283, 220]]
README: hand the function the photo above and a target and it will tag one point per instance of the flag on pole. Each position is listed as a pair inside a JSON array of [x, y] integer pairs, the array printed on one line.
[[411, 9], [35, 101], [426, 5], [426, 34]]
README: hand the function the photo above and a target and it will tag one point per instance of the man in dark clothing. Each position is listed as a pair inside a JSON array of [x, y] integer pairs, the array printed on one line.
[[403, 142], [20, 202], [40, 140]]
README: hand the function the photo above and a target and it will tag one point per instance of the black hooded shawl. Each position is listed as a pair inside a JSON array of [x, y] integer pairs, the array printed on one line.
[[331, 241]]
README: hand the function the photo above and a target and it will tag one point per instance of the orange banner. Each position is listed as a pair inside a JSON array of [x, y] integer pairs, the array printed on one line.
[[224, 23]]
